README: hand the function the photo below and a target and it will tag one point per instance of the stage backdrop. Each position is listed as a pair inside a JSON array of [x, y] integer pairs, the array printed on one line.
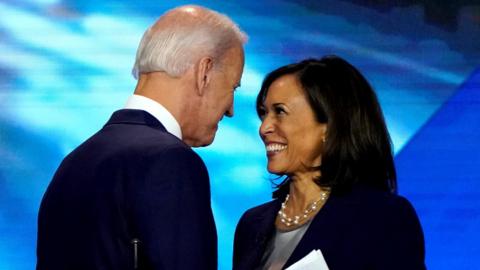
[[65, 67]]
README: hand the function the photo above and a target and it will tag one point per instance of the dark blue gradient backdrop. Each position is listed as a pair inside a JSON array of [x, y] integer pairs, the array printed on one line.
[[65, 66]]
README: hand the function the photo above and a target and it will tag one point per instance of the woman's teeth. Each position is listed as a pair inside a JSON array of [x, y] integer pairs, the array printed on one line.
[[275, 147]]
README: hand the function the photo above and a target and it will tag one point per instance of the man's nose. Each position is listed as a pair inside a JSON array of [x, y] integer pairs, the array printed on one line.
[[229, 112]]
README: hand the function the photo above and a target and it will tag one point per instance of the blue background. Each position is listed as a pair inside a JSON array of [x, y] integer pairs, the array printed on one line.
[[65, 67]]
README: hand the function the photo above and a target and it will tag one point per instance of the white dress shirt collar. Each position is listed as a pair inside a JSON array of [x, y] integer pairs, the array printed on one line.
[[156, 109]]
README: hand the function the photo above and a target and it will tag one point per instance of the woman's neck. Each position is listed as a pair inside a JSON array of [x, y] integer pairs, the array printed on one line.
[[303, 191]]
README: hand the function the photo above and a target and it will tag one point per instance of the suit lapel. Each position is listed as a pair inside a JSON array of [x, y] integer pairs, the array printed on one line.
[[265, 225], [325, 230], [319, 226]]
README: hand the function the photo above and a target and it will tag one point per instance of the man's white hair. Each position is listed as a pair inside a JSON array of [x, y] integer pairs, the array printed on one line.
[[192, 32]]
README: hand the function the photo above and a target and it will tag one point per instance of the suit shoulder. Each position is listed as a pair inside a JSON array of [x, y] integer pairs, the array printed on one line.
[[392, 227], [372, 196], [383, 206], [136, 141], [260, 210], [178, 157]]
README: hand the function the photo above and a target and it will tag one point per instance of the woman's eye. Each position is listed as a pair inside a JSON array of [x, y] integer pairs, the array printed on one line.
[[279, 110], [261, 113]]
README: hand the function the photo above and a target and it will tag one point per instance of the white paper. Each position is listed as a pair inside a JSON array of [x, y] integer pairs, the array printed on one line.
[[313, 261]]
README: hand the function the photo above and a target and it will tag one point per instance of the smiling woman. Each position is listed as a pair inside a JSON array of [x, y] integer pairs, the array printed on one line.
[[334, 112], [324, 131], [290, 147]]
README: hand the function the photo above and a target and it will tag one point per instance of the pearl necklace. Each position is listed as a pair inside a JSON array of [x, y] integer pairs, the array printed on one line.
[[289, 221]]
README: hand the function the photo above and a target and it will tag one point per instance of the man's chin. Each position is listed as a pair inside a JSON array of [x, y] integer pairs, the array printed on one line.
[[205, 141], [209, 141]]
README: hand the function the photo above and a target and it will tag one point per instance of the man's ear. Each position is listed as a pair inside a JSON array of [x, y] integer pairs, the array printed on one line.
[[203, 74]]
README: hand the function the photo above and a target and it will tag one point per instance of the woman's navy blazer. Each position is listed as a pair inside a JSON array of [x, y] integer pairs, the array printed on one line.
[[362, 229]]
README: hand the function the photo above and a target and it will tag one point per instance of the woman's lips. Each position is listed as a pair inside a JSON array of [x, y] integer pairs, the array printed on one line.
[[274, 148]]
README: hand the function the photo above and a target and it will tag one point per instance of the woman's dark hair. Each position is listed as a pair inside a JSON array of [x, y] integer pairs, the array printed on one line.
[[358, 147]]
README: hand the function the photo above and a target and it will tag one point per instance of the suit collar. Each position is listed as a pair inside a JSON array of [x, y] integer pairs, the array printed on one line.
[[135, 117], [322, 224], [157, 110], [307, 244], [265, 224]]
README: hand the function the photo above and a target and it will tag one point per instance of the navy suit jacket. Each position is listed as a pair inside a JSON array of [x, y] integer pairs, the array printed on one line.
[[131, 180], [363, 229]]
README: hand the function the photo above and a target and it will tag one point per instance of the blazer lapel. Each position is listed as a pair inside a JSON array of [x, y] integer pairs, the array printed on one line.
[[265, 225], [323, 233], [319, 225]]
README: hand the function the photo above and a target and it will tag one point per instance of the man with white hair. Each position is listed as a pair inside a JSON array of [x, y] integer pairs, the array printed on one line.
[[135, 195]]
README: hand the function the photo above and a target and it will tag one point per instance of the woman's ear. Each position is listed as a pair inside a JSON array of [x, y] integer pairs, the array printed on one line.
[[324, 133], [203, 74]]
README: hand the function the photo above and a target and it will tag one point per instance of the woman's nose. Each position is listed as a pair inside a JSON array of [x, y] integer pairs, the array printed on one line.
[[266, 127]]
